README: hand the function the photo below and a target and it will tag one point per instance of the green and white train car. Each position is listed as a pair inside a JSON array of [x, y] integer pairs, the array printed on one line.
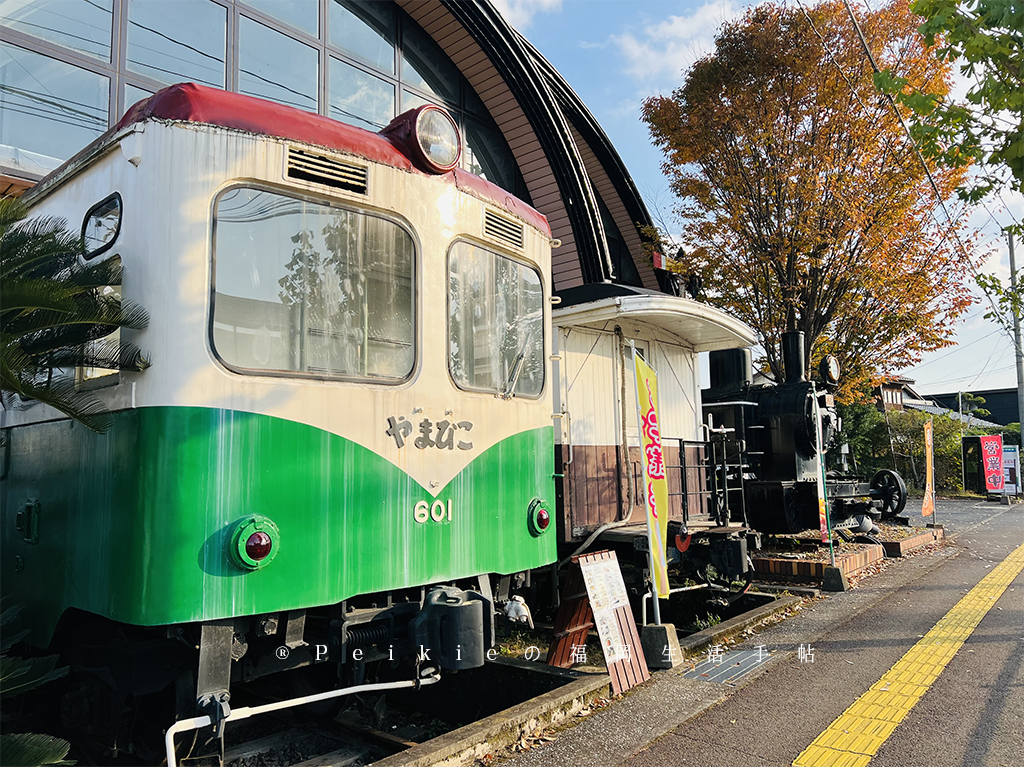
[[346, 428]]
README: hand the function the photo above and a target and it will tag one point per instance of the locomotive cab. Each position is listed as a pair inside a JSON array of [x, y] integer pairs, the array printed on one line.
[[777, 431]]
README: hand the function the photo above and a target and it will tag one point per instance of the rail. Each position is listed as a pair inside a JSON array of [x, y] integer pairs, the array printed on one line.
[[238, 714]]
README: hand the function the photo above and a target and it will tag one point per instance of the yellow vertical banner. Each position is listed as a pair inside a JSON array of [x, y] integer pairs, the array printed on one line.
[[655, 484], [928, 506]]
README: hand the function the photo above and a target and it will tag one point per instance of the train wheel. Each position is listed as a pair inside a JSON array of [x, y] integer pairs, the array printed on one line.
[[888, 488]]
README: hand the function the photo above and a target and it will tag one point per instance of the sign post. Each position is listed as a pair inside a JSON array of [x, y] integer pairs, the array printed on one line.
[[655, 484], [928, 505], [595, 596]]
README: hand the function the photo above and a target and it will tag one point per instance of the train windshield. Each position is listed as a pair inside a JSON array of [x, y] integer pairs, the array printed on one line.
[[495, 323], [308, 289]]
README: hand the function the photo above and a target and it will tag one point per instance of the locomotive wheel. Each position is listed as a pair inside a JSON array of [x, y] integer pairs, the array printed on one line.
[[892, 492]]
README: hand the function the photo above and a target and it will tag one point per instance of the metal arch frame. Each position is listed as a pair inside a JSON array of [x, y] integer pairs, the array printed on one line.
[[583, 121]]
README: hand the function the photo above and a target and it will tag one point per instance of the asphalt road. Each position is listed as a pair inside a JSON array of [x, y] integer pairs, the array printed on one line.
[[971, 716]]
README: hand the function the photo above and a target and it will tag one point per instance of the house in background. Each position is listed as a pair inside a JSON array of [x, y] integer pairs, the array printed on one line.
[[898, 394]]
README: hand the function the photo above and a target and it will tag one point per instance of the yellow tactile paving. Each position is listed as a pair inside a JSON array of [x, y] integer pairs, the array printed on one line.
[[858, 733]]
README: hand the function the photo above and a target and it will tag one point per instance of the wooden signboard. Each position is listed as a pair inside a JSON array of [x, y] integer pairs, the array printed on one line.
[[594, 596]]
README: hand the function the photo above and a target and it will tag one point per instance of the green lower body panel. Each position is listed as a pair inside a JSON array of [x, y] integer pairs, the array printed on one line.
[[135, 524]]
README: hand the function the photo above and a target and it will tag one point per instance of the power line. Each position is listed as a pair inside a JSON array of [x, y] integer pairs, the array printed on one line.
[[959, 347], [931, 180], [964, 378]]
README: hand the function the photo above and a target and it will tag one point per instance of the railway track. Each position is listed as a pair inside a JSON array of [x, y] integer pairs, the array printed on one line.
[[368, 729]]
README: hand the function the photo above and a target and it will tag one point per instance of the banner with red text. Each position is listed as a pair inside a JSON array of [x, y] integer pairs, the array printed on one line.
[[992, 462], [655, 484]]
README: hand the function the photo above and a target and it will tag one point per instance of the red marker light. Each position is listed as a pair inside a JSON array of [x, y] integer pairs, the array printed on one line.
[[543, 519], [258, 546]]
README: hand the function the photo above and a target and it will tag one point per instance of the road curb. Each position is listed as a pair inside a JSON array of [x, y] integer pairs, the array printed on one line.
[[493, 733], [476, 740]]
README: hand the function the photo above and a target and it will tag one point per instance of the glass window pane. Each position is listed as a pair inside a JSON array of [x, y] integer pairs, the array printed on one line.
[[277, 67], [48, 107], [412, 100], [84, 27], [487, 155], [365, 31], [473, 102], [94, 349], [176, 41], [625, 269], [495, 323], [307, 288], [133, 96], [426, 67], [301, 14], [359, 98]]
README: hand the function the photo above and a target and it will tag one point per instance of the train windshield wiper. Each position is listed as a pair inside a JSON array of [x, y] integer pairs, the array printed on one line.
[[517, 367]]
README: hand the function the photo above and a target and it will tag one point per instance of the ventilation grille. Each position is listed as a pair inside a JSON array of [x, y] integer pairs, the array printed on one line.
[[328, 171], [502, 229]]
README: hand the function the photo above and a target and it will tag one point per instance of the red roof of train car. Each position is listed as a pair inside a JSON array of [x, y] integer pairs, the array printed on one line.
[[212, 106]]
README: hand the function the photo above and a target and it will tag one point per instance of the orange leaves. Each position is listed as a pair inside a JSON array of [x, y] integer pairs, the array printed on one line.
[[802, 202]]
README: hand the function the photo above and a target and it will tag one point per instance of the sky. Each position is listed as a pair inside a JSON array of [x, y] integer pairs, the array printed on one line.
[[615, 53]]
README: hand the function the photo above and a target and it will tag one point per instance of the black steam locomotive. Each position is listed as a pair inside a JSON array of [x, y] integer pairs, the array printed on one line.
[[769, 435]]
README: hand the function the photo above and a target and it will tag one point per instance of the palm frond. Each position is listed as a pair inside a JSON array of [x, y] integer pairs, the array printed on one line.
[[53, 310], [21, 295], [99, 310], [26, 749], [18, 675], [98, 275], [60, 392], [113, 355]]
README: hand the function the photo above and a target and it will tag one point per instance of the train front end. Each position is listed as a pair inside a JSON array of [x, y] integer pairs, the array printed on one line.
[[345, 434]]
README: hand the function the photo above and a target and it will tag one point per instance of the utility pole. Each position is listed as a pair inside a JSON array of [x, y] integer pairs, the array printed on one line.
[[1016, 339], [963, 467]]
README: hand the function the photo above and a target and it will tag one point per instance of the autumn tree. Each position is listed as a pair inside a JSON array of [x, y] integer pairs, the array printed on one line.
[[802, 203], [985, 40]]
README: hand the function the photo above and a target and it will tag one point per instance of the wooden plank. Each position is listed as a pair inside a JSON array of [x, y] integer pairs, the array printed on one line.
[[374, 734], [341, 758]]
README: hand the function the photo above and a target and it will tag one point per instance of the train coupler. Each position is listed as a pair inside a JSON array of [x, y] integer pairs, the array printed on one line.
[[729, 556], [453, 629]]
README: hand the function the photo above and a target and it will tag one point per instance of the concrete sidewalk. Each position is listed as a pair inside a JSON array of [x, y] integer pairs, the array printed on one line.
[[610, 736]]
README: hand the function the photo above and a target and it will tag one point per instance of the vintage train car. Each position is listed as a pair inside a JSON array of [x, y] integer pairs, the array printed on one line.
[[598, 460], [345, 431], [773, 434]]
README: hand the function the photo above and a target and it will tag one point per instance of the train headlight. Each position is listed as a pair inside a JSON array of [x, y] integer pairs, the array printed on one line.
[[829, 369], [539, 517], [254, 542], [438, 138], [428, 136]]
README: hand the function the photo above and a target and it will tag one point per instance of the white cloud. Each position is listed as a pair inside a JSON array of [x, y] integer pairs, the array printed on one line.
[[520, 13], [661, 52]]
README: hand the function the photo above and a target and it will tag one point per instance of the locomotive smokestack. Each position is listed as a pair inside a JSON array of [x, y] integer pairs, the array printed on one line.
[[793, 356]]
